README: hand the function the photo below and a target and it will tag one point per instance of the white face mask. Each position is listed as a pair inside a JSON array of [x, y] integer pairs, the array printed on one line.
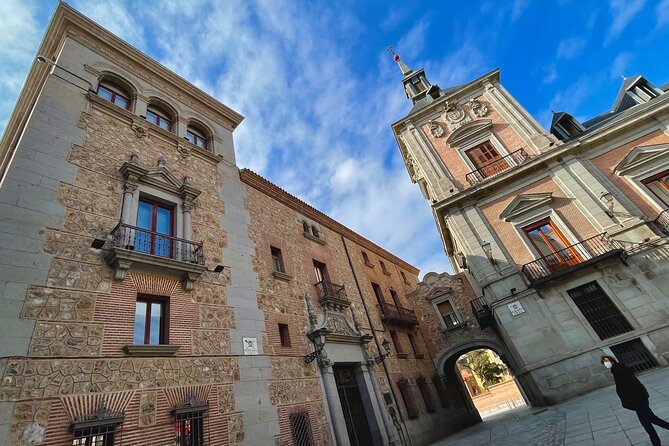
[[607, 364]]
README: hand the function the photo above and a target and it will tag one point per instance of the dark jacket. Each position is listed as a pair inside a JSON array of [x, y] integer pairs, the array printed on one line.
[[628, 387]]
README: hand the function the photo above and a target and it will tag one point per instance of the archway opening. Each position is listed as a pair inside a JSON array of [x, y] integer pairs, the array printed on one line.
[[484, 380]]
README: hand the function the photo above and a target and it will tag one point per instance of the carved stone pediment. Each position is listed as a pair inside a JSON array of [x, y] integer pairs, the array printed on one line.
[[524, 203], [468, 130], [159, 177], [438, 292], [641, 157]]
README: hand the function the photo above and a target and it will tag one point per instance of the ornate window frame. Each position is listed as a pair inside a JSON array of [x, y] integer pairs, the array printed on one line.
[[643, 162]]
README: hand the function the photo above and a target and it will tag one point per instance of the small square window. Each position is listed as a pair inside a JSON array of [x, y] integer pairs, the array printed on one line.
[[365, 257], [277, 259], [284, 335]]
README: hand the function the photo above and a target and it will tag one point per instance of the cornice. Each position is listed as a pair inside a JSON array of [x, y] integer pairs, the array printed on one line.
[[261, 184]]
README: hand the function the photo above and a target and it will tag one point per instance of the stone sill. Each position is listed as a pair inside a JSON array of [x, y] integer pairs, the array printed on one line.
[[447, 330], [386, 273], [313, 238], [402, 355], [419, 356], [371, 265], [151, 350], [282, 276]]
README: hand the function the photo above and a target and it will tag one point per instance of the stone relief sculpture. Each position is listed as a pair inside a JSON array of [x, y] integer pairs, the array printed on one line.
[[477, 108], [435, 129], [454, 115]]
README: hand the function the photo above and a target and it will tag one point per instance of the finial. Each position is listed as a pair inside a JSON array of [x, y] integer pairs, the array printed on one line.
[[161, 161], [624, 77], [403, 67], [134, 159], [310, 311]]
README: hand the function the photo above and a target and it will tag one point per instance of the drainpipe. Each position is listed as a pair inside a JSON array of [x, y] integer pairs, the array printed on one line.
[[384, 414]]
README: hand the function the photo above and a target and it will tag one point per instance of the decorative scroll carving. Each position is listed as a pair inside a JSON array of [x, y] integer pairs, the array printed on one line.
[[477, 108], [140, 131], [454, 115], [338, 325], [183, 150], [435, 129]]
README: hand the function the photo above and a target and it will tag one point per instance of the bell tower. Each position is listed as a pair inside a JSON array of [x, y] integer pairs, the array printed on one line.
[[416, 85]]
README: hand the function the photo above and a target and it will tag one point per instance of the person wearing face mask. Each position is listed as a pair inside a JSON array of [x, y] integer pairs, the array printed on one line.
[[634, 396]]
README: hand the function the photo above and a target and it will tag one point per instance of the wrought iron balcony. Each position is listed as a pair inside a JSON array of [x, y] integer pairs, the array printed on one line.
[[393, 314], [493, 168], [482, 312], [332, 294], [132, 245], [662, 221], [572, 258]]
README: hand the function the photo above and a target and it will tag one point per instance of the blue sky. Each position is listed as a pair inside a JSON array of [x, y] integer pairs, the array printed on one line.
[[319, 91]]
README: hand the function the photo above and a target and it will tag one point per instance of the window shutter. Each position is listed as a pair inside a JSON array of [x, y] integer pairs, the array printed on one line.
[[407, 396], [426, 393], [440, 385]]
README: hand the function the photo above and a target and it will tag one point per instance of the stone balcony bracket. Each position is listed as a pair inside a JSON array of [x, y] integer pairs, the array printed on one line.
[[313, 238]]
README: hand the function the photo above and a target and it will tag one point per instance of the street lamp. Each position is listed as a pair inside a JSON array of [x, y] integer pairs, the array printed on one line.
[[386, 346], [43, 60]]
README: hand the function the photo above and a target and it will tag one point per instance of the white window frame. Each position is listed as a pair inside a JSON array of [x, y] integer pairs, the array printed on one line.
[[447, 297]]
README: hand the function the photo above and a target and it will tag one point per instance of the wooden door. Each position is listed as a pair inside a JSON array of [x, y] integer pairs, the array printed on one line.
[[487, 159]]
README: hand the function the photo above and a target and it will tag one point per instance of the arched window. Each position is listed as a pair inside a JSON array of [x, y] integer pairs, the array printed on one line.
[[159, 116], [113, 92], [197, 136]]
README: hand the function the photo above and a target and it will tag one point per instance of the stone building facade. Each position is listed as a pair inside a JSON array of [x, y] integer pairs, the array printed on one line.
[[152, 293], [562, 233]]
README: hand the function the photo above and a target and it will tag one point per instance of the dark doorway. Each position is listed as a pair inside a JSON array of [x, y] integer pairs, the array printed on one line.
[[351, 404]]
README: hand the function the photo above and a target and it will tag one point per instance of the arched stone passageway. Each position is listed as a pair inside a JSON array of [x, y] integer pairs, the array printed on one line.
[[489, 403]]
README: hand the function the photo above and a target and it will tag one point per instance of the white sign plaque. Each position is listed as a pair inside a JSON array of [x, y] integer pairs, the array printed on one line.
[[250, 346], [516, 308]]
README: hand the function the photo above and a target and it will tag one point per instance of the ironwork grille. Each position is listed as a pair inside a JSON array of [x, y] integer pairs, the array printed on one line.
[[603, 316], [301, 429], [188, 429], [426, 393], [101, 435], [407, 396], [633, 354]]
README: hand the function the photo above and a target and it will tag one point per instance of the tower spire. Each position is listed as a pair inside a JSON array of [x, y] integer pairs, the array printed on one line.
[[403, 67]]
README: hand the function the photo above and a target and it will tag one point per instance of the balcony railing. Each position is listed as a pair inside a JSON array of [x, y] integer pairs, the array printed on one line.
[[482, 312], [331, 292], [497, 166], [393, 314], [576, 256], [143, 241], [662, 221]]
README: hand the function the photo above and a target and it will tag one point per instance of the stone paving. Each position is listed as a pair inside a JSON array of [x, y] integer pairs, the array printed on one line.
[[589, 420]]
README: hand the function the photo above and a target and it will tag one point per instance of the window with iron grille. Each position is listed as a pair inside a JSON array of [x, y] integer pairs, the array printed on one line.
[[189, 428], [440, 384], [99, 435], [407, 397], [634, 355], [284, 335], [601, 313], [426, 393], [301, 429]]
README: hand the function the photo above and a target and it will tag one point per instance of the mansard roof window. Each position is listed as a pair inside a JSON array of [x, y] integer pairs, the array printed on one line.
[[565, 126], [114, 93], [159, 116], [197, 136]]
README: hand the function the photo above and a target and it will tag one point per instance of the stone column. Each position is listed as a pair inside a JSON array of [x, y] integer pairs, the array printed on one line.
[[332, 397], [128, 198], [367, 380], [186, 207]]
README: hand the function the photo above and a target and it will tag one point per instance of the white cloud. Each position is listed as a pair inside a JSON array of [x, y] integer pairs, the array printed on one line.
[[622, 12], [115, 18], [662, 12], [620, 65], [550, 74], [19, 37], [570, 48]]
